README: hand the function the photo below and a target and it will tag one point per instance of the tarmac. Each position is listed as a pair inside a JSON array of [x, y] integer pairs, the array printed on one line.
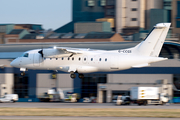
[[83, 105], [80, 118]]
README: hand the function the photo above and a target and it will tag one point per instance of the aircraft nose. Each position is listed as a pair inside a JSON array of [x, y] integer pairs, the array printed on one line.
[[14, 63]]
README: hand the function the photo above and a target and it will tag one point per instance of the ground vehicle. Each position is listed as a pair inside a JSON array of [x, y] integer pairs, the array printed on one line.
[[122, 100], [53, 95], [9, 98], [148, 95], [86, 100], [56, 95], [72, 97], [89, 100]]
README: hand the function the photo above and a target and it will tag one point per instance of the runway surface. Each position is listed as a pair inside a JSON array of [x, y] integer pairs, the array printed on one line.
[[83, 105], [80, 118]]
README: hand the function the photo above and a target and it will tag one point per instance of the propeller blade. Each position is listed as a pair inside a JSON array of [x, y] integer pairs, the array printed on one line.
[[41, 52]]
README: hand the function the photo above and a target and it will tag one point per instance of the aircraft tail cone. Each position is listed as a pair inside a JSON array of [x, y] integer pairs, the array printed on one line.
[[157, 59]]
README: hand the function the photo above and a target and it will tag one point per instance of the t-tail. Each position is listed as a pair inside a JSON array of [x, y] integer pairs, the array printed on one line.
[[148, 50], [152, 44]]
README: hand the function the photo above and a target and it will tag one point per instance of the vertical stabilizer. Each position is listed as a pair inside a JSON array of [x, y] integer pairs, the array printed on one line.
[[152, 44]]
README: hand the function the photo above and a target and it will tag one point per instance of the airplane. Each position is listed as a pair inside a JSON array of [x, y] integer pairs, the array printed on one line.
[[80, 60]]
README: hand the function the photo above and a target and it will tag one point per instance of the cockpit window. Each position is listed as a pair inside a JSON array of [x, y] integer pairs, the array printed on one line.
[[25, 55]]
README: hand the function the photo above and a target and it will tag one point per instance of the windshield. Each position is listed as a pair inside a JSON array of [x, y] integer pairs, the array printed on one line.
[[25, 55]]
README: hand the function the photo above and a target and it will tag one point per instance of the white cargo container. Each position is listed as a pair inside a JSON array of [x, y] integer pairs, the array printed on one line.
[[148, 95], [144, 93]]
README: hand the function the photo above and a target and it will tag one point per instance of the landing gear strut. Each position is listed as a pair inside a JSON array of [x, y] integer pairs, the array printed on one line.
[[23, 71]]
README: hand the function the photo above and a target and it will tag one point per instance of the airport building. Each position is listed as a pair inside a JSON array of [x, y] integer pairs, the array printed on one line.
[[176, 16], [103, 85], [125, 16]]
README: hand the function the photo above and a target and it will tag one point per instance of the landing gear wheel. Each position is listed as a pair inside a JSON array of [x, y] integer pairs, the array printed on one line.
[[22, 73], [73, 76], [145, 103], [81, 76], [163, 103]]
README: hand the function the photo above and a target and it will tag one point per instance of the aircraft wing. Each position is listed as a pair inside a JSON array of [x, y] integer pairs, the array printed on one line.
[[71, 50], [68, 52], [78, 50]]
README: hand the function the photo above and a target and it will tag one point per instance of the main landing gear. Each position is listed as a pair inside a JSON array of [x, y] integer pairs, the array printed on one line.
[[81, 76], [73, 75]]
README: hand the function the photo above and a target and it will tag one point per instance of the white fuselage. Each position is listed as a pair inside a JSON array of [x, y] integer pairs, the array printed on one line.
[[83, 63]]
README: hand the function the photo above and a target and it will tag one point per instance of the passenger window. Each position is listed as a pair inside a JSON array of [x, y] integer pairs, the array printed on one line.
[[84, 59], [26, 55], [91, 59], [68, 58], [50, 58], [99, 59], [79, 59], [72, 58], [62, 58], [106, 59], [56, 58]]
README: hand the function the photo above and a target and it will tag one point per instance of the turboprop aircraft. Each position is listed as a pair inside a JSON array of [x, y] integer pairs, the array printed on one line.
[[88, 60]]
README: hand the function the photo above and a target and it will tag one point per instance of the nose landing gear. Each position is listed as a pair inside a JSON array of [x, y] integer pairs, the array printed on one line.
[[23, 73]]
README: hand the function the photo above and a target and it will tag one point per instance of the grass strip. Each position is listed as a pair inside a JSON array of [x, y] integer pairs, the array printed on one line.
[[92, 112]]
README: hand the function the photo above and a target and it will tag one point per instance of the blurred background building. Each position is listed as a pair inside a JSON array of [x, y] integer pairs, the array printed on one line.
[[131, 19]]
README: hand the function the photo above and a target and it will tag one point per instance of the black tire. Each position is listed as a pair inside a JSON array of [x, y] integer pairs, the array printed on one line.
[[73, 76], [163, 103], [145, 103], [81, 76], [22, 73]]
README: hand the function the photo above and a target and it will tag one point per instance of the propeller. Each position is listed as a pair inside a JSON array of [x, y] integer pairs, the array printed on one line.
[[41, 52]]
